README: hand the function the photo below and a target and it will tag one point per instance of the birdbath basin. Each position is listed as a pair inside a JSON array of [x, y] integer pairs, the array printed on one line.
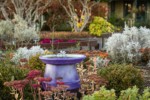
[[64, 67]]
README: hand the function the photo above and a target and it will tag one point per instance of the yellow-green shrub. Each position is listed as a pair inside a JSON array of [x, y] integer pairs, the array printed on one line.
[[99, 26], [36, 63], [102, 94], [128, 94]]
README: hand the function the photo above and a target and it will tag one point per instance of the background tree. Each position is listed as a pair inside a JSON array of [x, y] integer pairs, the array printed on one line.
[[30, 10], [79, 12], [55, 17]]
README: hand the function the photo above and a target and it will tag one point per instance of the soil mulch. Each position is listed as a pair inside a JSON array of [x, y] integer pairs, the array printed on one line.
[[146, 74]]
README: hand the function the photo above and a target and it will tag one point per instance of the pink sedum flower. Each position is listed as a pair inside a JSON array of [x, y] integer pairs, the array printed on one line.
[[43, 79], [35, 86], [60, 83], [34, 73]]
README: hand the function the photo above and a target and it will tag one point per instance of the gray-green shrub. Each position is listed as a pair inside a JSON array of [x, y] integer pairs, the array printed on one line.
[[121, 76]]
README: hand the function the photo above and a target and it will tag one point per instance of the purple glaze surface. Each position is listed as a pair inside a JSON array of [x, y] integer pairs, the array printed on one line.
[[67, 72], [69, 59], [64, 67]]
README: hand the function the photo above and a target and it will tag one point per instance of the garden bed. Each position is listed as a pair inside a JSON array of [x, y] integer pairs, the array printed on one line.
[[57, 45], [70, 35], [61, 45], [146, 75], [92, 76], [82, 36], [81, 39]]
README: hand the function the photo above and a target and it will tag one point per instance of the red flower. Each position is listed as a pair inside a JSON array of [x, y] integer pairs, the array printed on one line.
[[60, 83], [19, 84], [71, 41], [30, 77], [34, 73], [59, 40], [36, 86], [45, 41], [42, 79]]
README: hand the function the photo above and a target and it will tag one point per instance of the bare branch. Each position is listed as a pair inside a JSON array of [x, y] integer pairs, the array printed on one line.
[[78, 21], [29, 10], [3, 10], [4, 13]]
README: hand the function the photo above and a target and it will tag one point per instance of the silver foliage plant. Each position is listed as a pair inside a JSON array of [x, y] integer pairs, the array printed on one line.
[[6, 30], [101, 62], [125, 47], [6, 27], [17, 30], [25, 53], [23, 32]]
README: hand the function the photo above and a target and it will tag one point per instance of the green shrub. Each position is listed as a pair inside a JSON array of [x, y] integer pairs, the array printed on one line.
[[131, 93], [128, 94], [121, 76], [7, 73], [63, 27], [102, 94], [146, 94], [119, 22], [100, 26], [36, 63], [142, 23]]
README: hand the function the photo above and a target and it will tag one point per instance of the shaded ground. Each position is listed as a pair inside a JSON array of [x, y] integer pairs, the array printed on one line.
[[146, 74]]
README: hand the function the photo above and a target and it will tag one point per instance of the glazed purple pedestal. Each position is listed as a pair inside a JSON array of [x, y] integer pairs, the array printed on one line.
[[64, 67]]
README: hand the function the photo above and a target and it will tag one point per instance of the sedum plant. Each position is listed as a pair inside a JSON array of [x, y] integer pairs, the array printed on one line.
[[9, 73], [99, 26], [126, 47]]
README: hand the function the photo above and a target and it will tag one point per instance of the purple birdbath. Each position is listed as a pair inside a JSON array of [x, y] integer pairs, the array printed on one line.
[[63, 66]]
